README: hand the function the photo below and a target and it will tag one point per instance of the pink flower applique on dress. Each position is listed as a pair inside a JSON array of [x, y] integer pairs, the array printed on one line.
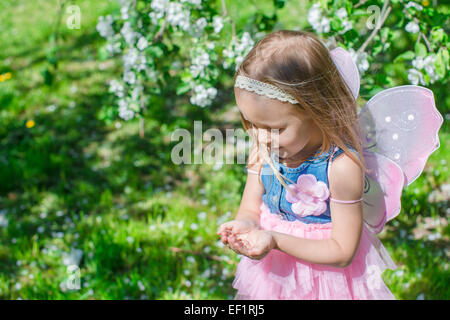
[[309, 196]]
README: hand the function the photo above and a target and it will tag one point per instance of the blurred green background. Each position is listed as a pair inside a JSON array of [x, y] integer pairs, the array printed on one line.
[[76, 190]]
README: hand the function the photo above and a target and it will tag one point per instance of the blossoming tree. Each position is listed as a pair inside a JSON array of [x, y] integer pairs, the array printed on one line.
[[182, 42]]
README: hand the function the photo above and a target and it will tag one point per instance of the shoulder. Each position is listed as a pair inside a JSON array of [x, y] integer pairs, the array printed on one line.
[[346, 178]]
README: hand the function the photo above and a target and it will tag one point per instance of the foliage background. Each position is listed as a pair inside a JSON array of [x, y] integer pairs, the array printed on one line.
[[80, 186]]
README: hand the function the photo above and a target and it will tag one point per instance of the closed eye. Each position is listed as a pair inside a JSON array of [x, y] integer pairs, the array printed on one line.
[[267, 128]]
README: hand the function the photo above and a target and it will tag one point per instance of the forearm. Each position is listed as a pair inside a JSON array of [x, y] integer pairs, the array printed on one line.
[[248, 215], [324, 251]]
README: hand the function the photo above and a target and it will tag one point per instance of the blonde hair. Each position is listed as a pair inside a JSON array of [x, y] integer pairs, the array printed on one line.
[[299, 63]]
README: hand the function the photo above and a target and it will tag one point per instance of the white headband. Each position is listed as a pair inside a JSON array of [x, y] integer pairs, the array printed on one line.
[[341, 58], [263, 88]]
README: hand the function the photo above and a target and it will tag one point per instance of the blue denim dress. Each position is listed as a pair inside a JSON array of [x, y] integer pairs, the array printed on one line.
[[274, 196]]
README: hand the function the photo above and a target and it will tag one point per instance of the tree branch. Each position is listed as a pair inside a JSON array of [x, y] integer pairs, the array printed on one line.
[[359, 3], [383, 15], [225, 15]]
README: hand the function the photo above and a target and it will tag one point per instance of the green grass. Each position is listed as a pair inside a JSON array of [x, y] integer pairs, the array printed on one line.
[[73, 182]]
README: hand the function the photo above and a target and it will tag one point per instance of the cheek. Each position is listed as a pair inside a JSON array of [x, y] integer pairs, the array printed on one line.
[[292, 141]]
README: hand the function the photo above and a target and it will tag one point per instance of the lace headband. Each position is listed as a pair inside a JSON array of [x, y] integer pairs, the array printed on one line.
[[341, 58], [263, 88]]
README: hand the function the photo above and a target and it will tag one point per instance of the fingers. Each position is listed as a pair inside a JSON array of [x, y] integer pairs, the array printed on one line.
[[236, 245], [225, 227]]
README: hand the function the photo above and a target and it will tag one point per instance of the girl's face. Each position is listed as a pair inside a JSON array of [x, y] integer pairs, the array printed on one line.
[[298, 135]]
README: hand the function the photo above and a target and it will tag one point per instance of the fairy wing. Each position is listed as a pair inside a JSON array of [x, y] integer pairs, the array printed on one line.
[[399, 128], [347, 68]]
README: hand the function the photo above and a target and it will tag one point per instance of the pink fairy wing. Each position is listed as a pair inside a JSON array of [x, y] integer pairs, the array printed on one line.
[[399, 127], [347, 68], [402, 123], [382, 190]]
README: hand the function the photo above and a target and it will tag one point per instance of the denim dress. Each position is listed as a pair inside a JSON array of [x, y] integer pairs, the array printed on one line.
[[274, 196]]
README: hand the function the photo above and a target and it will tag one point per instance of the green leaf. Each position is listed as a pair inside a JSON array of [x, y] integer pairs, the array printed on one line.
[[377, 48], [279, 3], [102, 54], [359, 12], [183, 88], [156, 51], [420, 49], [408, 55], [384, 32], [440, 62], [155, 90], [134, 106], [437, 35], [48, 76], [350, 35], [335, 24]]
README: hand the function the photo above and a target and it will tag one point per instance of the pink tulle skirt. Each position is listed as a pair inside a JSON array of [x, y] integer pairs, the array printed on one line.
[[281, 276]]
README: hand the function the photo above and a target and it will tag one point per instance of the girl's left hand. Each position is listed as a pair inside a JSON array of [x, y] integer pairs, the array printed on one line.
[[255, 244]]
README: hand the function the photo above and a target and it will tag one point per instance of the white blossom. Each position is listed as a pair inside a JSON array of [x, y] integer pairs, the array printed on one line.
[[124, 112], [430, 68], [415, 5], [124, 12], [194, 226], [176, 15], [113, 47], [130, 58], [418, 62], [128, 33], [116, 87], [136, 92], [203, 96], [194, 2], [141, 285], [217, 24], [196, 30], [129, 77], [428, 64], [314, 14], [316, 20], [412, 27], [142, 43], [238, 50], [360, 60], [415, 76], [3, 220], [104, 26], [341, 13], [347, 26], [200, 62], [201, 215]]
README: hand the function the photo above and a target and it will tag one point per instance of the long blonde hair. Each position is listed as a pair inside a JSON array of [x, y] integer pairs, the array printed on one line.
[[299, 63]]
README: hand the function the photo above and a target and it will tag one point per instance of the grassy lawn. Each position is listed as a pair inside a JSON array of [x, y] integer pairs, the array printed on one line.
[[75, 190]]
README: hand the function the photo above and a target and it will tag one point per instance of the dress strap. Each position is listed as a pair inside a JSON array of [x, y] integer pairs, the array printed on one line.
[[345, 201], [329, 163], [328, 174], [252, 171]]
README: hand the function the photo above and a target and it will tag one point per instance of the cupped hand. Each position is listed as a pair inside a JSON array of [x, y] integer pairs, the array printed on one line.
[[255, 244], [235, 227]]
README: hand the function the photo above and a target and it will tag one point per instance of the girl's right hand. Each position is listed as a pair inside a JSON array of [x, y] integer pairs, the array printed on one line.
[[234, 227]]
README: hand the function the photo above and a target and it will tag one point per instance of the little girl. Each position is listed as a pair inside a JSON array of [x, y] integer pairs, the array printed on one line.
[[304, 238]]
